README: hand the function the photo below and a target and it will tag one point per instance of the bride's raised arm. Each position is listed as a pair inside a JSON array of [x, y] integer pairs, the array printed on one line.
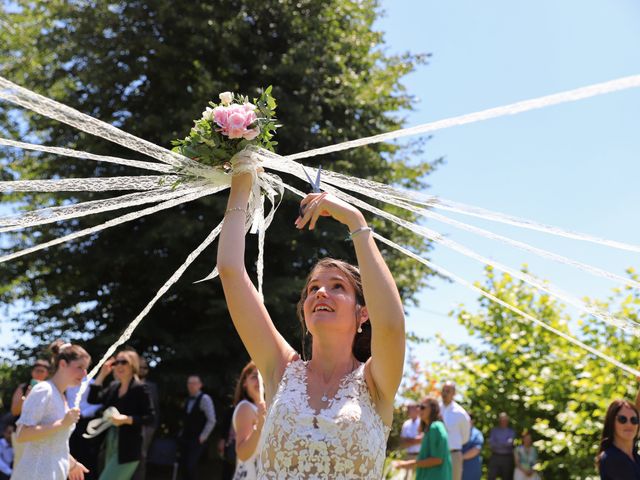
[[268, 349]]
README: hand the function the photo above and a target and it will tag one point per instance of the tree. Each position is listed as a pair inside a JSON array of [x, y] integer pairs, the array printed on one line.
[[150, 67], [543, 382]]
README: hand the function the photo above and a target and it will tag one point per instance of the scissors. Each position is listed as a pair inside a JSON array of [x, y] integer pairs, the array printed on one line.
[[315, 185]]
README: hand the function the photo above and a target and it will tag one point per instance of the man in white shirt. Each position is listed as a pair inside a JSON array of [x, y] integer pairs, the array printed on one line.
[[410, 436], [458, 424]]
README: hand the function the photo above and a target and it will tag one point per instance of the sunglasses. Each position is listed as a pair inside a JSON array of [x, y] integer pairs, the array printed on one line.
[[121, 362], [622, 419]]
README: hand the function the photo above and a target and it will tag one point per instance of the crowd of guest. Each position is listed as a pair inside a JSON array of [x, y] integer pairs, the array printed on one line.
[[441, 443], [439, 437]]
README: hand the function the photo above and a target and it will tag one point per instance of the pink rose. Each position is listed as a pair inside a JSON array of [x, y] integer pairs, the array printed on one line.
[[251, 134], [220, 116], [236, 132]]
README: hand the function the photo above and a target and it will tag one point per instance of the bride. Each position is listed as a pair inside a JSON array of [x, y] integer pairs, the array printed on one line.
[[328, 417]]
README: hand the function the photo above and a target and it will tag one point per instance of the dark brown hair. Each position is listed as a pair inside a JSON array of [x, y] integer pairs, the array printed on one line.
[[67, 352], [241, 391], [361, 346], [434, 413], [610, 426]]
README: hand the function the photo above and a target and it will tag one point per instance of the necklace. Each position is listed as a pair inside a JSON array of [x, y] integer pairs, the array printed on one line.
[[329, 386]]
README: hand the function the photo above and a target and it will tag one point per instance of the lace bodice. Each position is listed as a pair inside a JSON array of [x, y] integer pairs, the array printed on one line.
[[347, 440]]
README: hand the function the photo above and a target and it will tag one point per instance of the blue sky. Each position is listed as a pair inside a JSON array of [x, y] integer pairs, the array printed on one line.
[[574, 165]]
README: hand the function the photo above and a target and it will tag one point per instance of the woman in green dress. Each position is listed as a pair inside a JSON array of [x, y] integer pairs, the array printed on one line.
[[434, 459]]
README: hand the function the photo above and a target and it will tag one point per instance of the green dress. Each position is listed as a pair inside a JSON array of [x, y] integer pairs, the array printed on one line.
[[435, 443]]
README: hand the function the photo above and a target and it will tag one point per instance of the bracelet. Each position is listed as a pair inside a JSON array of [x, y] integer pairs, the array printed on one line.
[[360, 230], [236, 209]]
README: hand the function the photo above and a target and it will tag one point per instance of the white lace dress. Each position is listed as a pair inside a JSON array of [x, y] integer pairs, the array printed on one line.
[[46, 459], [347, 440], [246, 469]]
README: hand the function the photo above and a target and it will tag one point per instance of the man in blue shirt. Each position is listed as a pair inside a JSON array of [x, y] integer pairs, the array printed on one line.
[[472, 466], [501, 463]]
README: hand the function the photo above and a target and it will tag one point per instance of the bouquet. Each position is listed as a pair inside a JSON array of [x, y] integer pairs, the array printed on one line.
[[229, 127]]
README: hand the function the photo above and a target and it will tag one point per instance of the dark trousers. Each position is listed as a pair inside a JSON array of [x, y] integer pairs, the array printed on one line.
[[501, 466], [147, 436], [190, 452], [3, 476], [85, 450]]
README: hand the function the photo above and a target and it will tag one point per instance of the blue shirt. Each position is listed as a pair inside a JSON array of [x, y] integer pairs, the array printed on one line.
[[472, 468], [616, 465]]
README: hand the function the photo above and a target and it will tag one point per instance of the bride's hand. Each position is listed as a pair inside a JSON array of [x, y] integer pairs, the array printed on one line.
[[317, 205]]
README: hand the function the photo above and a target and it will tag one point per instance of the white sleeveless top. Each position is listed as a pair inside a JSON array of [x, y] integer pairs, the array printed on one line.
[[246, 469], [347, 440]]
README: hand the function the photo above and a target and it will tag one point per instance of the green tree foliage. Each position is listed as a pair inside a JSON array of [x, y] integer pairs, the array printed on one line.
[[545, 384], [150, 67]]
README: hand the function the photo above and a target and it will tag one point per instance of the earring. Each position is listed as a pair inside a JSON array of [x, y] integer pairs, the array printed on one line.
[[359, 328]]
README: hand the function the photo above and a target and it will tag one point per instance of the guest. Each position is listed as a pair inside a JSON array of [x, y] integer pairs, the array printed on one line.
[[227, 444], [132, 400], [434, 459], [46, 421], [526, 457], [501, 463], [410, 436], [199, 418], [618, 457], [456, 419], [471, 454], [248, 420], [148, 431], [39, 373], [85, 450], [6, 453]]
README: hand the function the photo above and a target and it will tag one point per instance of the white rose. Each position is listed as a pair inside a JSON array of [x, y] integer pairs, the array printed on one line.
[[226, 98], [208, 114]]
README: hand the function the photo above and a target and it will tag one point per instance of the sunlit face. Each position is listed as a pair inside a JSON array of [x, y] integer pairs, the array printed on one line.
[[75, 370], [330, 302], [412, 411], [194, 385], [425, 412], [503, 421], [254, 386], [626, 431], [39, 373], [122, 367], [448, 392]]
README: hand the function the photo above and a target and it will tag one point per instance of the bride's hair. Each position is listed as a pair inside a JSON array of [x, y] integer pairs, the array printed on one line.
[[67, 352], [361, 346]]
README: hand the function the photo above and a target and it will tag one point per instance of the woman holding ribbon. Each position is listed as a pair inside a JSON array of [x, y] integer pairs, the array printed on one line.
[[46, 421], [132, 409], [337, 406]]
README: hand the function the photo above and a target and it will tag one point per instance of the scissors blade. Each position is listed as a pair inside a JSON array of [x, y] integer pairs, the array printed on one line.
[[315, 186]]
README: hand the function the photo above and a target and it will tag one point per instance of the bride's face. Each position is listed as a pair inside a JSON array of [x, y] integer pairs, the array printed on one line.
[[330, 302]]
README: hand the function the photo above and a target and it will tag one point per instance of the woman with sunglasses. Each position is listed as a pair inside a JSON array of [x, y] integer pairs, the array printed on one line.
[[329, 416], [618, 457], [132, 400], [434, 459]]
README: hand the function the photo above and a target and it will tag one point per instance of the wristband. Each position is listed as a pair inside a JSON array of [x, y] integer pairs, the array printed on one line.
[[359, 230]]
